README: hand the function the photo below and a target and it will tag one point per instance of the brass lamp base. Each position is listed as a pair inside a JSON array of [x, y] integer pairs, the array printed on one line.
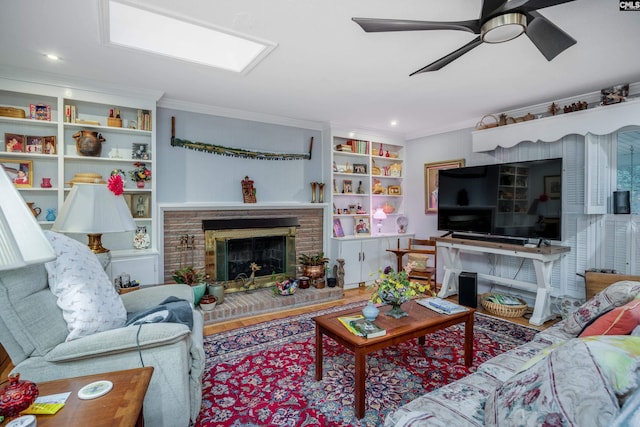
[[95, 244]]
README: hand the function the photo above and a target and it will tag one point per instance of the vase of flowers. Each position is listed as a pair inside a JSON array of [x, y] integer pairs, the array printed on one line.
[[140, 174], [395, 288]]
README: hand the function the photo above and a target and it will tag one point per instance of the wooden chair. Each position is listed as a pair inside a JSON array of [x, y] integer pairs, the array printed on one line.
[[424, 253]]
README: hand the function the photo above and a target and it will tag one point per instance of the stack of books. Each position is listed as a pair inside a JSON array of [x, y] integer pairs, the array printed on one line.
[[441, 305], [362, 327]]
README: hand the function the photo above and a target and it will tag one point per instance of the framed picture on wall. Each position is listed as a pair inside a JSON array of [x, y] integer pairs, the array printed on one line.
[[347, 186], [20, 172], [49, 145], [34, 144], [431, 182], [140, 205]]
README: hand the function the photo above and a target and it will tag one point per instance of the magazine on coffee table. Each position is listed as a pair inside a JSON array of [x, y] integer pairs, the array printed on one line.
[[441, 305]]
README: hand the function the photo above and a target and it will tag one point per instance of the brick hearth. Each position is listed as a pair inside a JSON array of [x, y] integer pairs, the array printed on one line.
[[261, 301]]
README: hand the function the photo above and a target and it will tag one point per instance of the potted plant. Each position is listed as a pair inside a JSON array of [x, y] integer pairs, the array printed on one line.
[[140, 174], [194, 278], [313, 265]]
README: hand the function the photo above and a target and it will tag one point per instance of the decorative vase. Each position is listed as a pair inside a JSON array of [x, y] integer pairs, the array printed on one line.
[[51, 215], [396, 311], [320, 192], [370, 312], [140, 184], [198, 292], [88, 143], [46, 183], [17, 396], [34, 209], [313, 191], [217, 290], [313, 271]]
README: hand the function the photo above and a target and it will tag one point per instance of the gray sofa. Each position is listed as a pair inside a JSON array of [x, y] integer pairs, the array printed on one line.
[[34, 332], [555, 379]]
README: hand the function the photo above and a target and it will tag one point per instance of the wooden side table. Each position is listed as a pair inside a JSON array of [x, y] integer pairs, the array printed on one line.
[[121, 407]]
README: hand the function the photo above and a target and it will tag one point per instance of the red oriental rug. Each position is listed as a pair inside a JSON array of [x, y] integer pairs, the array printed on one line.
[[263, 375]]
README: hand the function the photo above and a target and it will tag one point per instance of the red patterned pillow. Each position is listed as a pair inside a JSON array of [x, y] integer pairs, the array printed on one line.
[[619, 321]]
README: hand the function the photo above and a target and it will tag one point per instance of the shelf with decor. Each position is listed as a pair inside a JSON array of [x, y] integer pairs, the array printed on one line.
[[63, 112]]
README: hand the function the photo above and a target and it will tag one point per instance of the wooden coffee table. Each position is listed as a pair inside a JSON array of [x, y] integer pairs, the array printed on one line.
[[122, 406], [417, 324]]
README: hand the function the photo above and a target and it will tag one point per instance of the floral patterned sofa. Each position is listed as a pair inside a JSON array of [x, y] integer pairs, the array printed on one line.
[[583, 371]]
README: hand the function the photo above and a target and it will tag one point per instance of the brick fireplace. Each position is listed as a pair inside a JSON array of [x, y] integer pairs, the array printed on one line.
[[181, 222]]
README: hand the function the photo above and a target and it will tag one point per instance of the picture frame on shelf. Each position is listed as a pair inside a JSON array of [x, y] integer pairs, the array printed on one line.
[[14, 143], [553, 186], [359, 168], [140, 151], [394, 190], [347, 186], [33, 145], [361, 226], [49, 145], [20, 171], [431, 171], [337, 228], [140, 205], [40, 112]]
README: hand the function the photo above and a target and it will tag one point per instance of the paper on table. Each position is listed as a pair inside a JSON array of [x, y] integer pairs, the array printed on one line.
[[49, 404]]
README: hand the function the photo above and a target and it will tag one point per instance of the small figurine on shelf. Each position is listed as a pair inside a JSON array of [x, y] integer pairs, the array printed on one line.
[[248, 192], [141, 239]]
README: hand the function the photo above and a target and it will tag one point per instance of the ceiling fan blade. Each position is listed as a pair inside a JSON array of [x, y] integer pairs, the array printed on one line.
[[489, 6], [375, 25], [526, 5], [548, 37], [434, 66]]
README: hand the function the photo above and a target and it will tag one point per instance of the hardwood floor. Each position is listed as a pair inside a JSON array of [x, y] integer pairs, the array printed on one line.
[[350, 295]]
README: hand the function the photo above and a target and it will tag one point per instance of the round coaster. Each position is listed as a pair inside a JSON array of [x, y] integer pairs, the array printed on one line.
[[96, 389], [24, 421]]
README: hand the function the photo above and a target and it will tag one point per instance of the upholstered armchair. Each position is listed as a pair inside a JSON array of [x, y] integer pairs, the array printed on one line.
[[35, 333]]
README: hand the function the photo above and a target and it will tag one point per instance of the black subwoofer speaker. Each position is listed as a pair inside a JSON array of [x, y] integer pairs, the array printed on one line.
[[468, 289], [621, 203]]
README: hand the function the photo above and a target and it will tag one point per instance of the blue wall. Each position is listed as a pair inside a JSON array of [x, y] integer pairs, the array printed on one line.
[[193, 176]]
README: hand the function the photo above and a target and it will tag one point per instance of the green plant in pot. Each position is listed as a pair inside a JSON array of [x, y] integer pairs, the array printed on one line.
[[313, 265], [193, 277]]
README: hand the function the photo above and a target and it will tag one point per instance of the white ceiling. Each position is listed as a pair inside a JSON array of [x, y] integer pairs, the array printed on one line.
[[326, 69]]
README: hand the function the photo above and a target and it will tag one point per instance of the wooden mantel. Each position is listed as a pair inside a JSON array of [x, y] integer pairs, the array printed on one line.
[[600, 120]]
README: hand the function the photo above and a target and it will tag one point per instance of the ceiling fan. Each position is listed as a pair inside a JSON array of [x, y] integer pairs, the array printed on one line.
[[500, 21]]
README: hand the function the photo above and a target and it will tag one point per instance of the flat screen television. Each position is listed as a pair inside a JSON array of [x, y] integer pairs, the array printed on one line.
[[521, 200]]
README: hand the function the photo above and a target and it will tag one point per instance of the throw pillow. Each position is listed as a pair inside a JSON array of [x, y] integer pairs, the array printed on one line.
[[88, 300], [614, 295], [619, 321], [564, 388]]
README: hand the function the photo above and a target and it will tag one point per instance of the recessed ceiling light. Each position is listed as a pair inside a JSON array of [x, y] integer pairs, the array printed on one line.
[[126, 24], [394, 123], [52, 57]]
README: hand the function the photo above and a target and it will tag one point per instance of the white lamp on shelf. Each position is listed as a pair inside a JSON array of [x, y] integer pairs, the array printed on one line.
[[22, 241], [380, 216], [92, 209]]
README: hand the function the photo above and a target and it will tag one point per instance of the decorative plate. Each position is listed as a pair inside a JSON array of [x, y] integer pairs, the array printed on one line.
[[96, 389], [24, 421]]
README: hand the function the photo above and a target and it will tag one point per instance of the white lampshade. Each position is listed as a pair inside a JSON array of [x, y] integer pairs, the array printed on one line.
[[93, 209], [22, 241], [380, 216]]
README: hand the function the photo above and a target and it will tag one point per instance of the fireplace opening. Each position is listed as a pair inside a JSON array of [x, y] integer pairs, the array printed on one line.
[[246, 254]]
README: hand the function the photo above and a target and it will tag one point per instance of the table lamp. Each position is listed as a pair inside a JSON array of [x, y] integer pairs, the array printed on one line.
[[92, 209], [22, 241], [380, 216]]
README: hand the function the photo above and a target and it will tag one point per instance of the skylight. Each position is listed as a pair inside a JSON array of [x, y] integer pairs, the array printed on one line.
[[136, 28]]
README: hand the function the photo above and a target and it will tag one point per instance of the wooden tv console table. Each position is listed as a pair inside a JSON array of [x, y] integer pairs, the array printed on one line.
[[542, 258]]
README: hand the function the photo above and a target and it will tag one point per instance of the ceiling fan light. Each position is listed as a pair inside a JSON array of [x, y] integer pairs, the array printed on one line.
[[503, 28]]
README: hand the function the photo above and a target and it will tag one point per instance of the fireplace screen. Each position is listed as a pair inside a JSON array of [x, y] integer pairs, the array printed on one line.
[[230, 254]]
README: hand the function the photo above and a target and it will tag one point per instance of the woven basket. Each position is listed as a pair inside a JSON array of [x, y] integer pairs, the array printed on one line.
[[487, 121], [503, 310]]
